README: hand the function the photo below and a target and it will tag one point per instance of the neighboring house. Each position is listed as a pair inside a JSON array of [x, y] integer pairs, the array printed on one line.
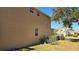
[[71, 32], [61, 31], [20, 26], [65, 31]]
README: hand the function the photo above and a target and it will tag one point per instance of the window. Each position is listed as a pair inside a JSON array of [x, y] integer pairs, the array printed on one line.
[[36, 31], [31, 10]]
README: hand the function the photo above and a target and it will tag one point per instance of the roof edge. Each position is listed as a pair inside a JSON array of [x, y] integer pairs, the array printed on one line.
[[41, 12]]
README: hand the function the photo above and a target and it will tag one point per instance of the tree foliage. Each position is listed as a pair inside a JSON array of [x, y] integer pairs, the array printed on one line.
[[66, 14]]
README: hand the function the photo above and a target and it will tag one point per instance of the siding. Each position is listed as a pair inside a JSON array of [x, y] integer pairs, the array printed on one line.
[[17, 27]]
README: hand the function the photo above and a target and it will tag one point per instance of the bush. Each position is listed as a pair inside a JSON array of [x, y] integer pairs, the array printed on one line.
[[75, 35], [53, 39]]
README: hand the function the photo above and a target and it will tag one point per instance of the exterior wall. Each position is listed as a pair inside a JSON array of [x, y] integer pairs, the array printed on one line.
[[17, 27]]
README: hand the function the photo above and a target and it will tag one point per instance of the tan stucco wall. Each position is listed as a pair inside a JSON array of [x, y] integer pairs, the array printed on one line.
[[17, 27]]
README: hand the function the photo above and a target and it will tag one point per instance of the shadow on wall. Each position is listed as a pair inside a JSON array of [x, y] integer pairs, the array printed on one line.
[[29, 48]]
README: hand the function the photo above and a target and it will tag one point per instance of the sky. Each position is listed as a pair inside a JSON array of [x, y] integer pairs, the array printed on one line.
[[56, 25]]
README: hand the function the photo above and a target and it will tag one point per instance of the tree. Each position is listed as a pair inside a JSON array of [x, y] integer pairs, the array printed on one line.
[[66, 14]]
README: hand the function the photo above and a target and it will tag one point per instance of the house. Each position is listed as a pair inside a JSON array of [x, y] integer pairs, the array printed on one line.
[[22, 26], [65, 32]]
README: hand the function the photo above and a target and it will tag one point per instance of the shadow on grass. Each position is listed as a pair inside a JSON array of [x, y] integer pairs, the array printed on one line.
[[75, 40], [25, 48], [29, 49], [22, 49]]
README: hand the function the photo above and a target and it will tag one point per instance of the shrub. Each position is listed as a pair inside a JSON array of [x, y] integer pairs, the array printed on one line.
[[75, 35], [53, 39]]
